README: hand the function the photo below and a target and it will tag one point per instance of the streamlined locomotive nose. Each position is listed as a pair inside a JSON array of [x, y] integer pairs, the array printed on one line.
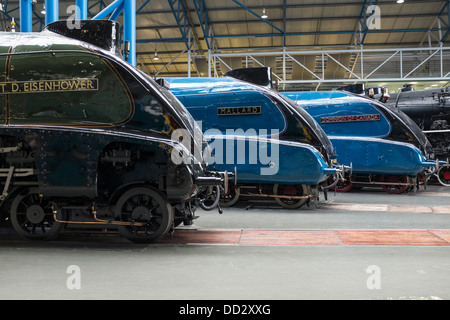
[[383, 145]]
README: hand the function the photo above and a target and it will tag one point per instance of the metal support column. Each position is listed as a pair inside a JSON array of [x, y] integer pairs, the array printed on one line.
[[447, 5], [52, 15], [189, 52], [128, 7], [129, 30], [51, 11], [82, 9], [26, 24], [108, 10]]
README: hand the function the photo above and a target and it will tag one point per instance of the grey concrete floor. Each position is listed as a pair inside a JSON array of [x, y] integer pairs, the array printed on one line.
[[110, 267]]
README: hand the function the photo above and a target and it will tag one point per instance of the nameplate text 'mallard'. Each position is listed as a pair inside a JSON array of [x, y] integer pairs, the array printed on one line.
[[41, 86], [238, 111]]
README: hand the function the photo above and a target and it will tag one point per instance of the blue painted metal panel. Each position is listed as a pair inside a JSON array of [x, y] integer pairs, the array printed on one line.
[[294, 164], [378, 156], [203, 107], [331, 109]]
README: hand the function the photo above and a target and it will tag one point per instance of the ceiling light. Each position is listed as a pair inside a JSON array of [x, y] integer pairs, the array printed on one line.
[[400, 1], [156, 55], [264, 15]]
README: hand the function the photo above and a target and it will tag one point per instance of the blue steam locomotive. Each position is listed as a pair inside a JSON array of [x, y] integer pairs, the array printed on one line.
[[383, 145], [275, 148]]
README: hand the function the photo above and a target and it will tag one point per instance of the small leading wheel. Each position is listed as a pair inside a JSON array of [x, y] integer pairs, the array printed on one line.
[[342, 186], [395, 187], [290, 190], [149, 213], [32, 216], [230, 199], [443, 176]]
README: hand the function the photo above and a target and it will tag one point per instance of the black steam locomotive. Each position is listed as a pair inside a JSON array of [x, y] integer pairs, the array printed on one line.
[[87, 139], [430, 109]]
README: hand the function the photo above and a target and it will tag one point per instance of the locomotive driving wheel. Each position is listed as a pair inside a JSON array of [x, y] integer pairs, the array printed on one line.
[[32, 216], [148, 213], [292, 191], [394, 184], [443, 176]]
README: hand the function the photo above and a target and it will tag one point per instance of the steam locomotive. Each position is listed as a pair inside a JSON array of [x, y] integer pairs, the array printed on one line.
[[430, 109], [427, 108], [87, 139], [384, 146], [276, 149]]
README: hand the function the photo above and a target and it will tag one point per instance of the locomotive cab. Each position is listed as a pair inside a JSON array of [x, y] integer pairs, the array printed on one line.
[[86, 139]]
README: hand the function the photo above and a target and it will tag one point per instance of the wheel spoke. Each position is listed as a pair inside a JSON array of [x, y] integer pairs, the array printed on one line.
[[130, 203], [290, 190], [32, 217], [148, 208], [148, 201], [154, 208]]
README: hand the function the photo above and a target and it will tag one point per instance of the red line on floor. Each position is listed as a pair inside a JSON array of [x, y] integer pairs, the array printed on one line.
[[310, 237]]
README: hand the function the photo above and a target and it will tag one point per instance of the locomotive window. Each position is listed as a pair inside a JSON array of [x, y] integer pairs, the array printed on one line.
[[150, 112], [400, 131], [151, 115], [65, 89], [304, 128]]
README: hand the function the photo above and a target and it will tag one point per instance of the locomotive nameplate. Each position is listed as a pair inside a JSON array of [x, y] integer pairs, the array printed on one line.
[[238, 111], [351, 118], [45, 86]]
